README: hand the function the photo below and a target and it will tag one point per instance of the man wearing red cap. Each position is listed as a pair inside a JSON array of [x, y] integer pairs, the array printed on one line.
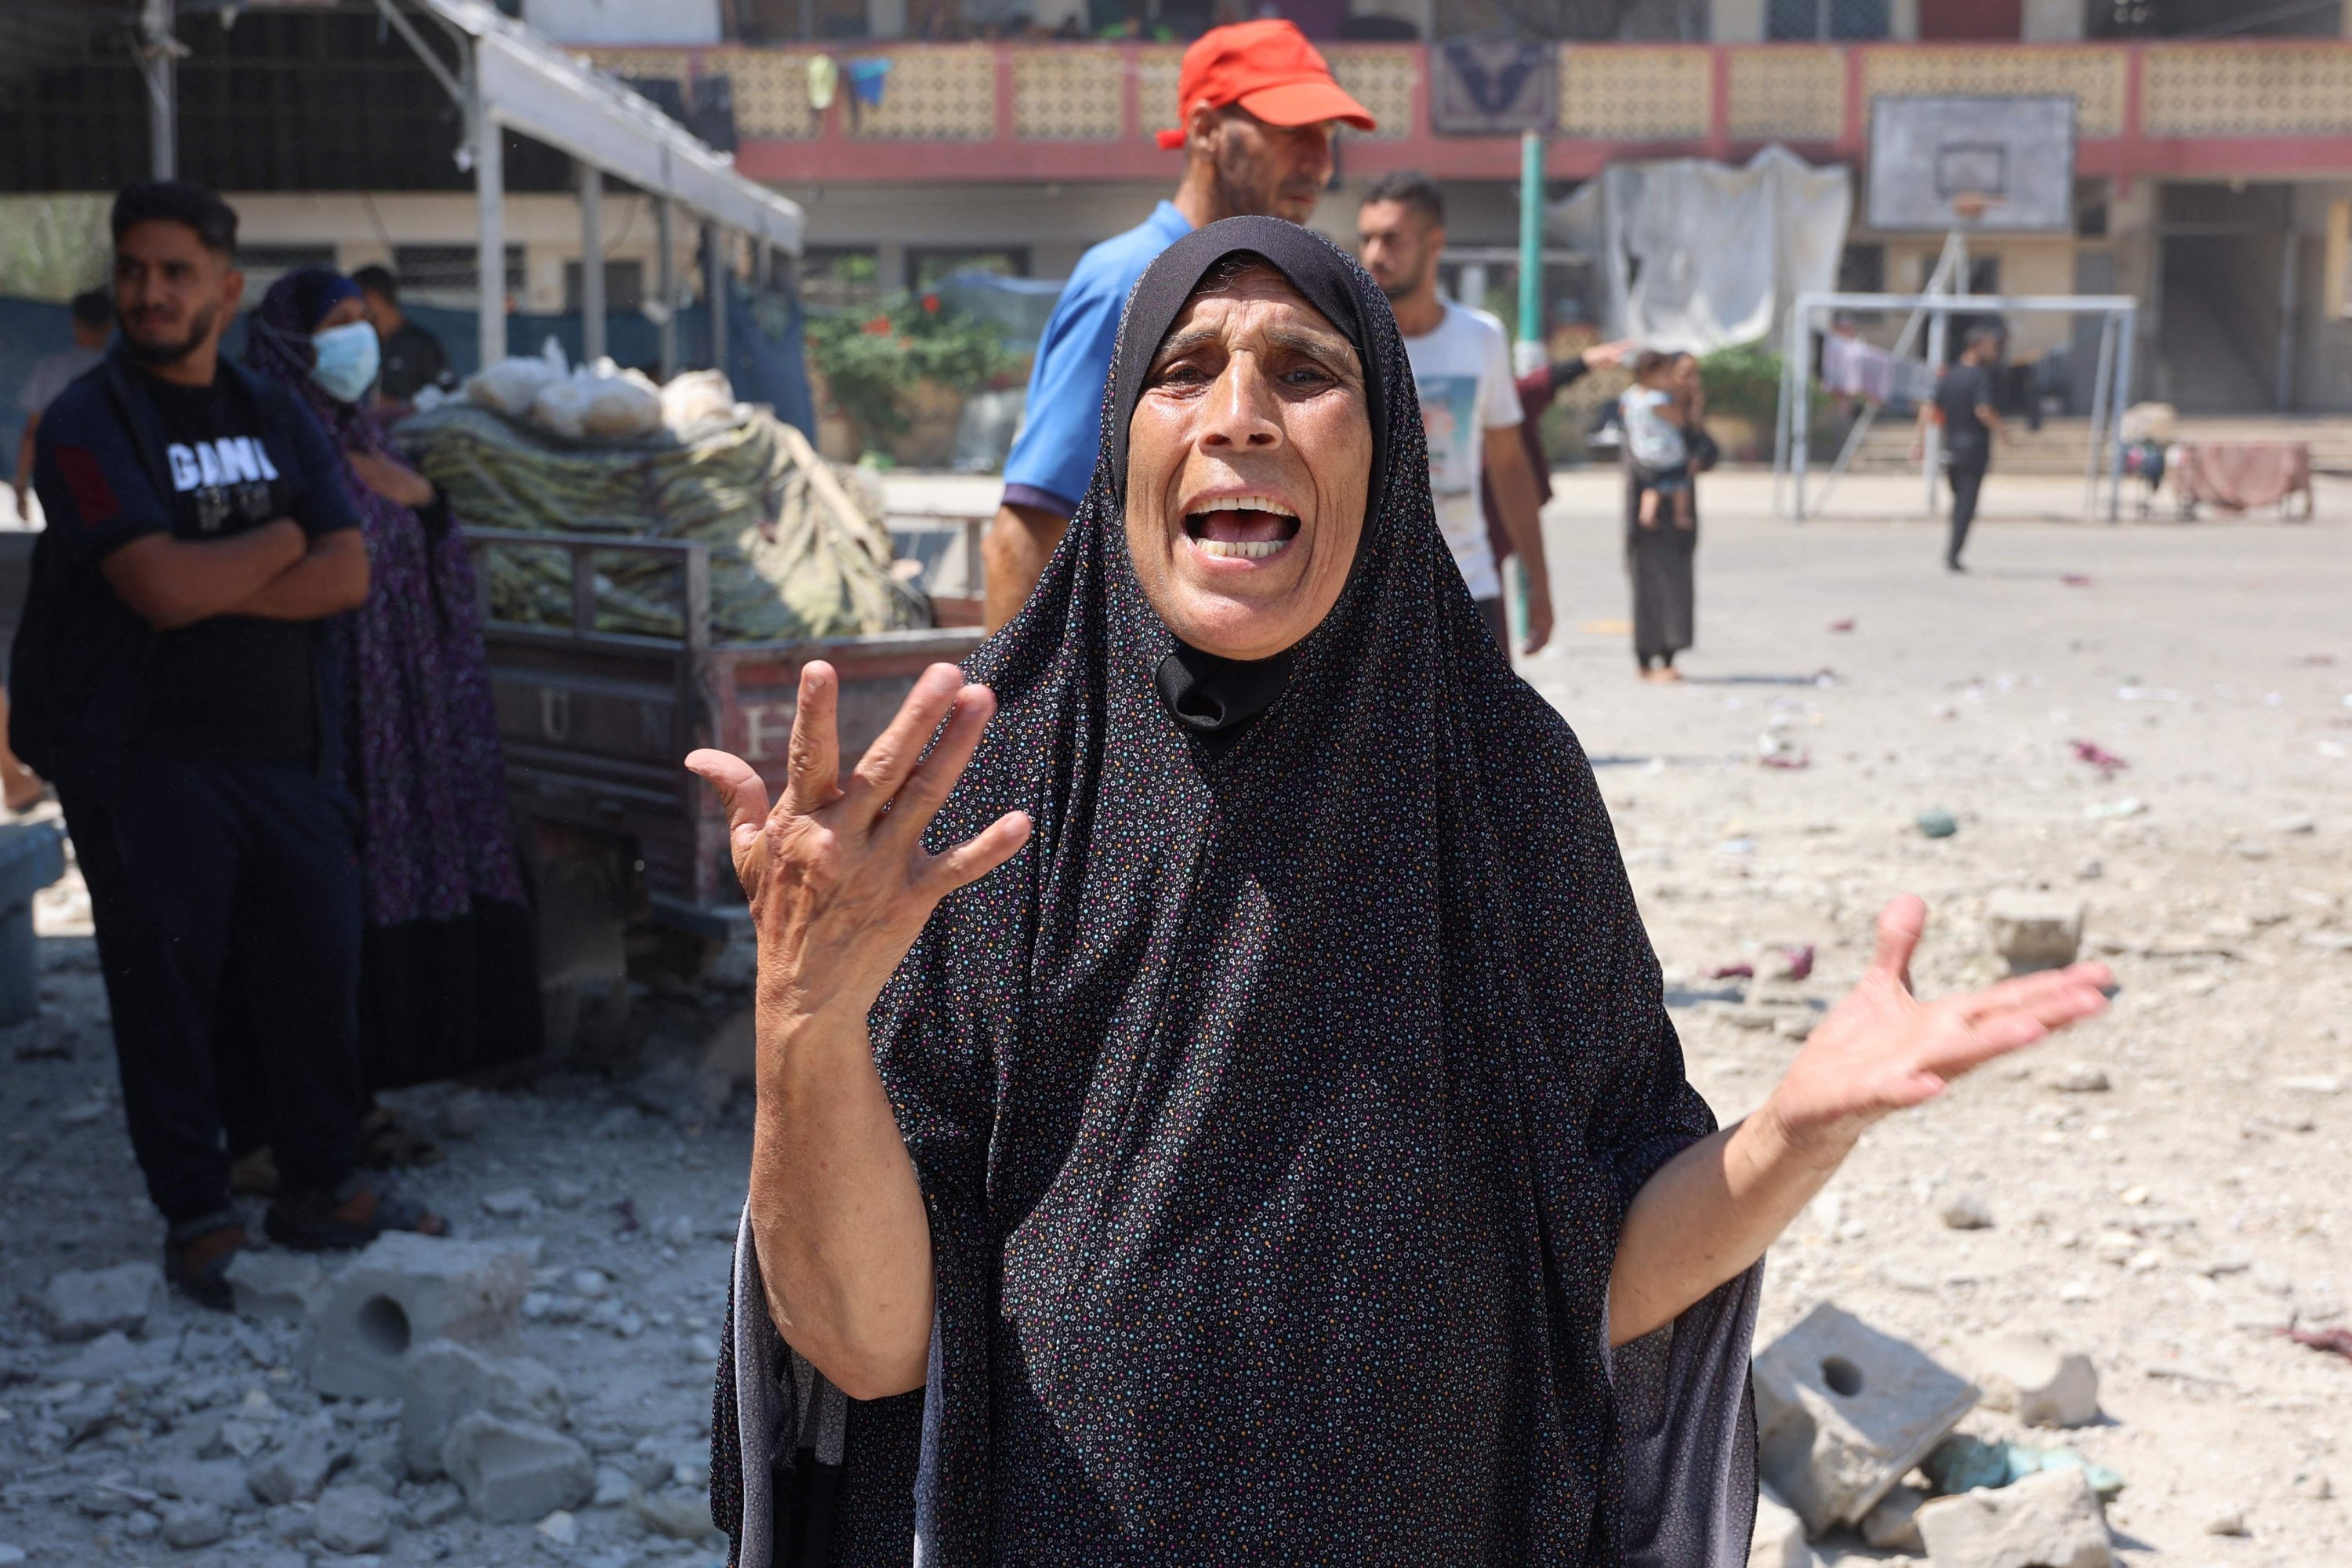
[[1258, 104]]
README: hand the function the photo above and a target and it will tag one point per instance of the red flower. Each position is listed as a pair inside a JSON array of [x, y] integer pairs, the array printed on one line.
[[930, 304], [880, 327]]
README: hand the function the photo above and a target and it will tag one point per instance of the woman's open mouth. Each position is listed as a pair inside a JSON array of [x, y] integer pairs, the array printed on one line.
[[1242, 528]]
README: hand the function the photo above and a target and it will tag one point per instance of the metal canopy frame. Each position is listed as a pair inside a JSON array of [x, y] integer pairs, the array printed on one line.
[[2110, 390], [510, 78]]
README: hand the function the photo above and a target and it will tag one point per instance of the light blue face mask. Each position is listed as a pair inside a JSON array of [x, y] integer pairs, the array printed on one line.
[[348, 360]]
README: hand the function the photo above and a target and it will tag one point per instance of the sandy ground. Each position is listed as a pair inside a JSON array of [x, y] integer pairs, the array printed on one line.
[[2169, 1225]]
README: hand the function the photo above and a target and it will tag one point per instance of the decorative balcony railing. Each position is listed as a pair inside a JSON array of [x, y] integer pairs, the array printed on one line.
[[1077, 111]]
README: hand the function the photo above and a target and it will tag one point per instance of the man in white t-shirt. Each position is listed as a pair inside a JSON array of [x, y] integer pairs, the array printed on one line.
[[1461, 368]]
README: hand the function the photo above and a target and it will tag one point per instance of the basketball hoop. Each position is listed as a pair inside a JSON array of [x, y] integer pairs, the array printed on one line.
[[1969, 206]]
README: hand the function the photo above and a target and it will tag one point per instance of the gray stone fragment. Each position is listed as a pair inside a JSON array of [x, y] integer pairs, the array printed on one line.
[[516, 1471], [2049, 1520], [1842, 1412], [445, 1381], [188, 1525], [219, 1482], [1893, 1524], [2040, 1385], [273, 1284], [403, 1290], [1964, 1211], [2034, 931], [83, 1303], [1779, 1537], [351, 1518], [436, 1504], [298, 1466]]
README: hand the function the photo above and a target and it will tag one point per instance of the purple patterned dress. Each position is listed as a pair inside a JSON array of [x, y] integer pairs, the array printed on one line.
[[450, 983]]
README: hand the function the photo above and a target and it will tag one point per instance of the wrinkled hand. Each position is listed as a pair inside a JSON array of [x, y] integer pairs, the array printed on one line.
[[837, 877], [1881, 1049]]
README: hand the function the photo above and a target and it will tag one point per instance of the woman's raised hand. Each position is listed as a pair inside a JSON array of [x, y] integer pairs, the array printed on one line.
[[1881, 1049], [838, 877]]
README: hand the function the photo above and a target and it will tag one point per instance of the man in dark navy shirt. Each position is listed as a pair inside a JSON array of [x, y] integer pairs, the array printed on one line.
[[1964, 405], [173, 675]]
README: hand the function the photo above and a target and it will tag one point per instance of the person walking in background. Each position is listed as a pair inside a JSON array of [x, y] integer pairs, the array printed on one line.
[[1257, 103], [93, 319], [174, 674], [413, 357], [1469, 407], [1660, 552], [1963, 405], [450, 980]]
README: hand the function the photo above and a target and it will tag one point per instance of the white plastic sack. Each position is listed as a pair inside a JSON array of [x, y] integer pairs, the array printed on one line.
[[511, 385], [697, 395], [562, 408], [620, 407]]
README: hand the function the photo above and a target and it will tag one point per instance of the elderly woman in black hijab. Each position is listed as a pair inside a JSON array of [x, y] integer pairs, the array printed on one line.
[[1227, 1111]]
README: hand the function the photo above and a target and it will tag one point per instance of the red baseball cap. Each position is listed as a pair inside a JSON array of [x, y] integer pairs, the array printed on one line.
[[1267, 67]]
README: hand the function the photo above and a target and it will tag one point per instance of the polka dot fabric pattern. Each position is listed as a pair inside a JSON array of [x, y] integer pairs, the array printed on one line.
[[1277, 1111]]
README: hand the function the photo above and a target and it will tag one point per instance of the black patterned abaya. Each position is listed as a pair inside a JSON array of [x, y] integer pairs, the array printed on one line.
[[1277, 1108]]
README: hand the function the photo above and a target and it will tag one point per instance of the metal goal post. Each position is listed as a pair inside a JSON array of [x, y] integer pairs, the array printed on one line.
[[2103, 464]]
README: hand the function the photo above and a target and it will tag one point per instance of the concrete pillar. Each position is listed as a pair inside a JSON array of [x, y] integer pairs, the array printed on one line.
[[491, 241], [1902, 20], [591, 262]]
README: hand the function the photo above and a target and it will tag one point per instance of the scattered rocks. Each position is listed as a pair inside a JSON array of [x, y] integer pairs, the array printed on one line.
[[188, 1525], [561, 1528], [444, 1381], [1964, 1211], [83, 1303], [436, 1504], [1937, 823], [2042, 1386], [2049, 1520], [1892, 1523], [403, 1290], [2227, 1521], [2034, 931], [514, 1202], [1779, 1539], [1843, 1412], [516, 1471], [270, 1284], [2077, 1077], [297, 1468], [352, 1519]]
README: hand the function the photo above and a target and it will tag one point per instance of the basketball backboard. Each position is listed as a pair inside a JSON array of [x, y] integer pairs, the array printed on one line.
[[1994, 164]]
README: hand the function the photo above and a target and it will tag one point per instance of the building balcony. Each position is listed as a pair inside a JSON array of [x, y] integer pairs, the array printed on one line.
[[1077, 111]]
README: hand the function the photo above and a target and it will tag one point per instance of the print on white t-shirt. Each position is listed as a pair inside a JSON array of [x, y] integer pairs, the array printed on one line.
[[1462, 373]]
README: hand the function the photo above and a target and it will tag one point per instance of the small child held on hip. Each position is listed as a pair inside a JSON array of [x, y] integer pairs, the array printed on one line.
[[1655, 441]]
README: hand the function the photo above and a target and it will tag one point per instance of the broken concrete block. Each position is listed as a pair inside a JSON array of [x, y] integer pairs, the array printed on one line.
[[402, 1291], [2049, 1520], [273, 1284], [351, 1518], [297, 1468], [2034, 931], [1779, 1539], [444, 1381], [1893, 1524], [2042, 1385], [516, 1471], [1843, 1411], [83, 1303], [188, 1525]]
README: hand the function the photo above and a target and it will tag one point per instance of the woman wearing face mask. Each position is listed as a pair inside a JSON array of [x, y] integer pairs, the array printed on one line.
[[451, 978], [1228, 1113]]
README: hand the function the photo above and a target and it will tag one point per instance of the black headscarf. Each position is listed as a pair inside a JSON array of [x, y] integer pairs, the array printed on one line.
[[1278, 1106]]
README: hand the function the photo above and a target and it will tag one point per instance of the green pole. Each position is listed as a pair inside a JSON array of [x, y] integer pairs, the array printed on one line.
[[1531, 154], [1529, 352]]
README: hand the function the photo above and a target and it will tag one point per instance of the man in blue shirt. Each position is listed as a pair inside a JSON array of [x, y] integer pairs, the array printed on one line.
[[1258, 104]]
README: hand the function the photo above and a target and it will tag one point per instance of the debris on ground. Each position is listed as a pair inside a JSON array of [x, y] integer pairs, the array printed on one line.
[[1937, 823], [1844, 626], [2075, 579], [2039, 1384], [1961, 1463], [2034, 931], [2338, 1340], [1843, 1411], [2047, 1521], [2098, 756]]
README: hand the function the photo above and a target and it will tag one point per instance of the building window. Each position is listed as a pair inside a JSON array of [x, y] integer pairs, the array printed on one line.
[[1984, 273], [450, 269], [1862, 270], [1800, 19], [928, 267]]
